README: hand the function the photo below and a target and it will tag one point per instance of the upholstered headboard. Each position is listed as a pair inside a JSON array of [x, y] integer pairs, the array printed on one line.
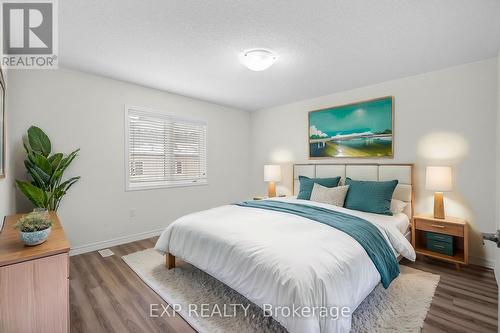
[[378, 172]]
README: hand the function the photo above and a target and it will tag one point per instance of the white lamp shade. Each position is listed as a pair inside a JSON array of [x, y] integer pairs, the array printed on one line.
[[272, 173], [438, 178]]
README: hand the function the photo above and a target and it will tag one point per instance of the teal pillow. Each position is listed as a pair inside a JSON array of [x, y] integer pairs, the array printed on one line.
[[370, 196], [306, 185]]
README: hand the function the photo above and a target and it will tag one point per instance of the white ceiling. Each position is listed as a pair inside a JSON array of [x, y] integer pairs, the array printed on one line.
[[192, 47]]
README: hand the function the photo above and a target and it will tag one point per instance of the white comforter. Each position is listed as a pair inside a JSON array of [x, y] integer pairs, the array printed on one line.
[[280, 259]]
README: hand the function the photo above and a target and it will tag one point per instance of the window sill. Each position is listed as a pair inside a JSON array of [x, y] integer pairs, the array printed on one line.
[[157, 186]]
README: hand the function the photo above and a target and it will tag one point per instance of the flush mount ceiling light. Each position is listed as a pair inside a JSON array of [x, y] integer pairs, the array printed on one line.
[[258, 60]]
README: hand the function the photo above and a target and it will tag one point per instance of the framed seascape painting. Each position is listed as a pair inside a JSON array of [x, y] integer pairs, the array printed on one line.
[[362, 129]]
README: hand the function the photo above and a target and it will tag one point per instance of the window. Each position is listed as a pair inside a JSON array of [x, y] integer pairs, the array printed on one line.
[[164, 150]]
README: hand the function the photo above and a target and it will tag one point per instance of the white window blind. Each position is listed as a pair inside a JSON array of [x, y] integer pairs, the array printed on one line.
[[164, 150]]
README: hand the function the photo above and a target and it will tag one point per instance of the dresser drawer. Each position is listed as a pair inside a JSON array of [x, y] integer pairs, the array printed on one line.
[[439, 237], [440, 247], [439, 227]]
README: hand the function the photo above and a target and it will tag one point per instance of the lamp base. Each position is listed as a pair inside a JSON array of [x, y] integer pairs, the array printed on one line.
[[438, 205], [271, 189]]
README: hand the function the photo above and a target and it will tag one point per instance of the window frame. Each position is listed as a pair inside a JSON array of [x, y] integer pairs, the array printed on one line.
[[161, 114]]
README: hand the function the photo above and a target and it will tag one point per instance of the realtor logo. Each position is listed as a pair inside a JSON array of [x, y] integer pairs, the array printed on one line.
[[29, 34]]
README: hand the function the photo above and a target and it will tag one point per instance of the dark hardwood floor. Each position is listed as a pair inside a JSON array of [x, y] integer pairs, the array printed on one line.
[[465, 300], [107, 296]]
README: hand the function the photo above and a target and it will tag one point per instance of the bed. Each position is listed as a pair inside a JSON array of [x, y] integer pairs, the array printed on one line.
[[279, 260]]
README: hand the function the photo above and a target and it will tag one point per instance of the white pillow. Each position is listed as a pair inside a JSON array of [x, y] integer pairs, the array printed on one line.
[[329, 195], [397, 206]]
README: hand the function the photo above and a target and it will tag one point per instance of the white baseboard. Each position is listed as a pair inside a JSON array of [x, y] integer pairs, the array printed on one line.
[[482, 262], [113, 242]]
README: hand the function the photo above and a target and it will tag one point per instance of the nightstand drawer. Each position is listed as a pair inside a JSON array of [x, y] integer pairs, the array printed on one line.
[[440, 247], [442, 228], [439, 237]]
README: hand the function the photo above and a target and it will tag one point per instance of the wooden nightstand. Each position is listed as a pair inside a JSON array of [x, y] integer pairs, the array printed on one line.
[[429, 232]]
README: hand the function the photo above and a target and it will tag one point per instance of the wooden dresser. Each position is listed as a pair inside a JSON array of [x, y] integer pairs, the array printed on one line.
[[34, 284]]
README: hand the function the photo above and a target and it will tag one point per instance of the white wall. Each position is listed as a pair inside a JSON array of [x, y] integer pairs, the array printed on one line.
[[443, 117], [7, 190], [6, 186], [87, 111]]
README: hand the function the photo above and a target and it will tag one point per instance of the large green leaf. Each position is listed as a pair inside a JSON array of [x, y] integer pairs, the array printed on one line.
[[63, 165], [41, 162], [62, 189], [34, 168], [39, 141], [51, 205], [37, 179], [36, 195], [55, 159], [65, 162], [65, 186], [56, 176]]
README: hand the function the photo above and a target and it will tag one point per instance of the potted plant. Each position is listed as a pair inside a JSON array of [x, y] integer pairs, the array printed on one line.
[[34, 228], [46, 170]]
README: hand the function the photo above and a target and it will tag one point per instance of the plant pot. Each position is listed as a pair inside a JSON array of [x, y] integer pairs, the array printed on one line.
[[34, 237]]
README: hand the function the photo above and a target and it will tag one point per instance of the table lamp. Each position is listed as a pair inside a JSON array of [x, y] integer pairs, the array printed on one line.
[[438, 179], [272, 174]]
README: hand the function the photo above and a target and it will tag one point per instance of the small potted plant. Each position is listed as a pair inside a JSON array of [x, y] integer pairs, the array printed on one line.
[[34, 228]]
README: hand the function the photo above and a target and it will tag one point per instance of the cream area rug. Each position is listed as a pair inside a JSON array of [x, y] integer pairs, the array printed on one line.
[[400, 308]]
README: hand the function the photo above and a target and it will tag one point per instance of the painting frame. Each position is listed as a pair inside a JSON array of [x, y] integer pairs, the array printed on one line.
[[3, 127], [388, 156]]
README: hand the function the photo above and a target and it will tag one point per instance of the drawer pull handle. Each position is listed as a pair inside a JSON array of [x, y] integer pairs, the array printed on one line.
[[438, 226]]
